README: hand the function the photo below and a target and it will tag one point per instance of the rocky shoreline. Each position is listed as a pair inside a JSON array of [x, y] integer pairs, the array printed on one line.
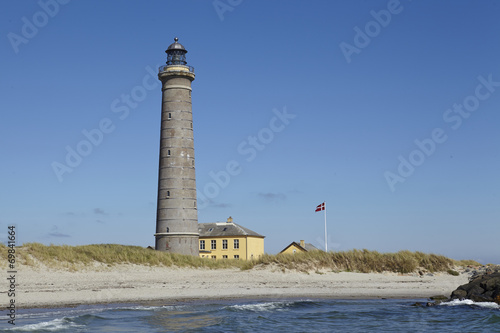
[[483, 286]]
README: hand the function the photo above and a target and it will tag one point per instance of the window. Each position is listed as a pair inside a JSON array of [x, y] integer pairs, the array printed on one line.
[[224, 257], [236, 243], [169, 116], [236, 256], [224, 244], [168, 194], [214, 244], [214, 257], [168, 152], [202, 245]]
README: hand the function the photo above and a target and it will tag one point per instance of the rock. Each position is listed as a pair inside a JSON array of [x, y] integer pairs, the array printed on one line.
[[481, 288], [458, 294], [438, 298], [480, 298], [491, 283]]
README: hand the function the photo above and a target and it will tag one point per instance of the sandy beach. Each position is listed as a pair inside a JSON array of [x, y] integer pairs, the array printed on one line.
[[43, 287]]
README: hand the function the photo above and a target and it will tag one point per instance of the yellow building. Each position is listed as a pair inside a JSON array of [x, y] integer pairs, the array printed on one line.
[[295, 247], [228, 240]]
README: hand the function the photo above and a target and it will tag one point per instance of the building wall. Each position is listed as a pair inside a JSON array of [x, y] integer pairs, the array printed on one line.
[[255, 247], [247, 247]]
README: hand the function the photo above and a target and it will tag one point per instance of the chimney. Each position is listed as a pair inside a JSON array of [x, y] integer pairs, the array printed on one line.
[[302, 243], [229, 219]]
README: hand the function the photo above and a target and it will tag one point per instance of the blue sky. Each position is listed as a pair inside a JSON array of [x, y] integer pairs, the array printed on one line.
[[386, 110]]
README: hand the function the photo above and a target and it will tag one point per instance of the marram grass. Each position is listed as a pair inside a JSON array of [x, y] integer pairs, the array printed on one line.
[[364, 261], [74, 257]]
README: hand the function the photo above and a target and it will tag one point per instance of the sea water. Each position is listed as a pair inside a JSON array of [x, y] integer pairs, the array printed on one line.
[[270, 315]]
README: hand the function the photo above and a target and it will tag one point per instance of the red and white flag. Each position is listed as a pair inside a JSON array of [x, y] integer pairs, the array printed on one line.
[[320, 207]]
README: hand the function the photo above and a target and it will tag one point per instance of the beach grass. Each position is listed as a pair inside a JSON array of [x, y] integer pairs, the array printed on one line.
[[363, 261], [75, 257]]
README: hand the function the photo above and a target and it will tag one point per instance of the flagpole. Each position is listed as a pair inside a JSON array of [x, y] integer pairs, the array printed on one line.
[[326, 245]]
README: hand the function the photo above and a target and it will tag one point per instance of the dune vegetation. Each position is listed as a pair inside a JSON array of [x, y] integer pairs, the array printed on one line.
[[364, 261]]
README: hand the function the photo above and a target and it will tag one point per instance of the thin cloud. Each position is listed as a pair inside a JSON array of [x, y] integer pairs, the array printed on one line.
[[55, 233], [221, 205], [74, 214], [211, 203], [272, 196], [58, 234], [99, 211]]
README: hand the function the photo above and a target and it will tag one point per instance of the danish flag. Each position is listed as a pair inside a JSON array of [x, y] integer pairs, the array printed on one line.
[[320, 207]]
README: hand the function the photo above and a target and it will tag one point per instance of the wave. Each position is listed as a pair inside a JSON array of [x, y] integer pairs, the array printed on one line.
[[267, 306], [489, 305], [50, 326], [63, 312], [155, 308], [94, 310]]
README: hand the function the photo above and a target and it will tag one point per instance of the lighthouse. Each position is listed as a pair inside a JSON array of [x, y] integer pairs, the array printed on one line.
[[176, 215]]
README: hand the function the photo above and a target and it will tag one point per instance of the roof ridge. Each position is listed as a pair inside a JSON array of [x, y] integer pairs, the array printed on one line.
[[241, 228]]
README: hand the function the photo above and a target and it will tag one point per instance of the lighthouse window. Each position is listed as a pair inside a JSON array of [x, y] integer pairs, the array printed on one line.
[[168, 194], [169, 116], [168, 152]]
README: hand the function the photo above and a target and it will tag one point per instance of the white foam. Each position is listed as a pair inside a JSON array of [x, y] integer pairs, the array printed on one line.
[[267, 306], [490, 305], [154, 308], [53, 325]]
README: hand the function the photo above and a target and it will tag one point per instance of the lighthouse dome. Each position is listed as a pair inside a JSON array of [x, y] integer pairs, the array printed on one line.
[[176, 45]]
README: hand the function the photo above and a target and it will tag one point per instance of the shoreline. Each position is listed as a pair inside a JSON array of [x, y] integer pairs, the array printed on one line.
[[184, 301], [42, 287]]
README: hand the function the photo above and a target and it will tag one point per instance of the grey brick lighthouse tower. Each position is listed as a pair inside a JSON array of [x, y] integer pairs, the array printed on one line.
[[176, 216]]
